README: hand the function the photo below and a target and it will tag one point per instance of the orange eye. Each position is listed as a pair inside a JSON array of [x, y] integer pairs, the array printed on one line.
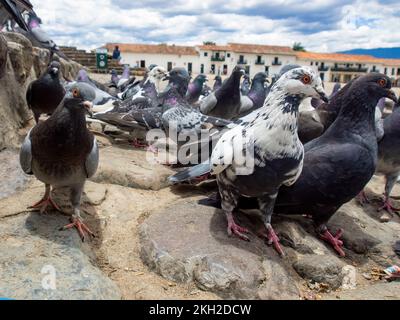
[[382, 82], [75, 93], [306, 79]]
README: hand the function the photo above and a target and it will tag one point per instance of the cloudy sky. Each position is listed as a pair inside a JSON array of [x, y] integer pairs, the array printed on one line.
[[321, 25]]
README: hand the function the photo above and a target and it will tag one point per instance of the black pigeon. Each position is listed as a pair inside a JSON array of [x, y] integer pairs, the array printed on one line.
[[196, 88], [257, 157], [61, 152], [339, 164], [45, 94], [225, 103], [217, 83], [245, 88]]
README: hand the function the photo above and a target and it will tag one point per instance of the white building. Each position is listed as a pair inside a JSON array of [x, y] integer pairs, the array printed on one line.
[[221, 59]]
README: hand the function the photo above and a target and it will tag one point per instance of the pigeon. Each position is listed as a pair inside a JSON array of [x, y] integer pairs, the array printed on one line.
[[336, 89], [62, 152], [102, 97], [389, 160], [245, 88], [217, 83], [226, 102], [124, 79], [196, 88], [257, 157], [114, 77], [13, 9], [151, 82], [45, 94]]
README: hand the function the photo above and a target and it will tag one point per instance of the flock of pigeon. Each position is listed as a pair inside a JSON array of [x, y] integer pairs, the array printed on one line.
[[309, 153]]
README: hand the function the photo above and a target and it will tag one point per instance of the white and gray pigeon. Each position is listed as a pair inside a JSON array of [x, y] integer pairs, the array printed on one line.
[[62, 152], [257, 157], [226, 102]]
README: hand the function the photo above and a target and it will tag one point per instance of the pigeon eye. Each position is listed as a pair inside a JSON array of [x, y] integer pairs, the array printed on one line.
[[306, 79], [75, 93], [382, 82]]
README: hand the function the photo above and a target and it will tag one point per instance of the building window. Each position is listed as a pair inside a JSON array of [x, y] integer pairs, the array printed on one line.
[[386, 71], [374, 69], [206, 54], [228, 55], [393, 71], [267, 70], [143, 64], [312, 63], [398, 71], [316, 64], [169, 66]]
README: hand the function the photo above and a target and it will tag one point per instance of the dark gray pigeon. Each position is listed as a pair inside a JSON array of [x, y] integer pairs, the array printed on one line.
[[45, 94], [61, 152], [196, 88], [257, 93], [226, 102], [257, 157], [217, 83], [389, 160]]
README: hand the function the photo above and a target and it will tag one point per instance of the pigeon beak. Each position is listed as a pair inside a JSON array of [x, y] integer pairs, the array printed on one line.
[[392, 96], [88, 107], [54, 70], [167, 77], [322, 95]]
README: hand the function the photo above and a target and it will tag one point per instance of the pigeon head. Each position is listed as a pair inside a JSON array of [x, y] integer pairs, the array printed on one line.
[[201, 79], [54, 69], [303, 82], [114, 72], [80, 97], [287, 68], [218, 79], [157, 73], [179, 78], [375, 86], [261, 77], [33, 20], [238, 72]]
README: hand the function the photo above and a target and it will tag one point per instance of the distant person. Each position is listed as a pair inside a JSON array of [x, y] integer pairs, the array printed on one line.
[[116, 54]]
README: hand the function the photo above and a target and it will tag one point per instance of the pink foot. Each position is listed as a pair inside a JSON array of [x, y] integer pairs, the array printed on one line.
[[237, 230], [274, 240], [200, 179], [388, 207], [334, 241], [80, 226], [44, 203], [137, 144]]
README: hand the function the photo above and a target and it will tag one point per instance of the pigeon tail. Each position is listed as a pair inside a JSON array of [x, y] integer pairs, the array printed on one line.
[[191, 173]]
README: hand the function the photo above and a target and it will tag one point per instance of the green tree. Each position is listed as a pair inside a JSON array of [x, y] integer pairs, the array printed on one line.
[[209, 43], [298, 47]]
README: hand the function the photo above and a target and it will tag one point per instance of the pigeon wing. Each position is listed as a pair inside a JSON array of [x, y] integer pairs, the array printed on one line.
[[208, 103], [92, 160], [25, 155]]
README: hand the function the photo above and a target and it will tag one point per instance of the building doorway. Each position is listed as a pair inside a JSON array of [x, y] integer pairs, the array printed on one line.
[[169, 67], [190, 67], [142, 64], [322, 76], [225, 71], [202, 68]]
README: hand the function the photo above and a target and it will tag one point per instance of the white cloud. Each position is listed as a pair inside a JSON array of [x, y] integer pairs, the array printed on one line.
[[319, 25]]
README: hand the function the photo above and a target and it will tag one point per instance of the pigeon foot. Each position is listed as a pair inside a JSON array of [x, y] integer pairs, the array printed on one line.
[[139, 145], [362, 198], [80, 227], [273, 239], [387, 206], [237, 230], [44, 203], [334, 241]]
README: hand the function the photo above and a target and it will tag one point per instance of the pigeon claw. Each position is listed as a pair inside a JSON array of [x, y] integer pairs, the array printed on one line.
[[388, 207], [273, 239], [334, 241], [80, 227], [44, 203], [234, 229], [139, 145]]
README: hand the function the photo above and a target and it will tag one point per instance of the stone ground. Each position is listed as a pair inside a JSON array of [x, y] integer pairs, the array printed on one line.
[[156, 242]]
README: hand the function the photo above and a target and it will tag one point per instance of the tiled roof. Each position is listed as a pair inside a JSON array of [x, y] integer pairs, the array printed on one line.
[[153, 48], [391, 62], [211, 47], [260, 49], [336, 57]]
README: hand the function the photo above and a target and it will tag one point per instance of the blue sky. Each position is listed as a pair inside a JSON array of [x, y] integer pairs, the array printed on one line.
[[321, 25]]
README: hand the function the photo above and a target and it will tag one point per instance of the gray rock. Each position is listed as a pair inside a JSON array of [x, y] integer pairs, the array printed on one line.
[[189, 243], [32, 250], [379, 291], [130, 168], [321, 269], [3, 55], [13, 178]]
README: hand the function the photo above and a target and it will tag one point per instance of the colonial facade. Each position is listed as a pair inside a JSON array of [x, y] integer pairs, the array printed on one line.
[[221, 59]]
